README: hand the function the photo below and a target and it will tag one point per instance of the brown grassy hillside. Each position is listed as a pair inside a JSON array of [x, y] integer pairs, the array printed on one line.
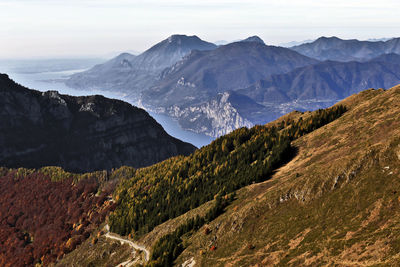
[[336, 203]]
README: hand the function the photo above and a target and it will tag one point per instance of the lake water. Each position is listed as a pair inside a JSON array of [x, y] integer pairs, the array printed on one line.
[[52, 80]]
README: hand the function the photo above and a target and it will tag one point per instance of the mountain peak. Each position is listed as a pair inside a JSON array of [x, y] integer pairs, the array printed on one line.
[[182, 38], [254, 38], [182, 41], [327, 39]]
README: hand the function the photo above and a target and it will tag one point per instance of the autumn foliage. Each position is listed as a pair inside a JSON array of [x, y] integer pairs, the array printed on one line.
[[40, 220]]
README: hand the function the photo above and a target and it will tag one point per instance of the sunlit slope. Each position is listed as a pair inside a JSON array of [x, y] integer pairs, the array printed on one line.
[[337, 202]]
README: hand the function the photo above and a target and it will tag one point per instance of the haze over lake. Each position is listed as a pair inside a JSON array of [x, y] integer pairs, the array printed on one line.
[[45, 75]]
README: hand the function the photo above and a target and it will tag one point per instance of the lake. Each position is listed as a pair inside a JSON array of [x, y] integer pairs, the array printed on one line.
[[52, 80]]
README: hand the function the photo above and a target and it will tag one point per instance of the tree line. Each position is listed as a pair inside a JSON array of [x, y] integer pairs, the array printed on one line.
[[168, 189]]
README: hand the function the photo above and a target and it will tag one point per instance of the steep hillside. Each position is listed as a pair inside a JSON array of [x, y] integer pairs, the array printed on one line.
[[132, 74], [336, 203], [78, 133], [171, 188], [333, 48], [47, 213], [309, 189]]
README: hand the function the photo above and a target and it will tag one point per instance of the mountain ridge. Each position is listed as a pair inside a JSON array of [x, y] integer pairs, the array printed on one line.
[[78, 133], [201, 71], [186, 89], [334, 201], [133, 74], [334, 48], [327, 80]]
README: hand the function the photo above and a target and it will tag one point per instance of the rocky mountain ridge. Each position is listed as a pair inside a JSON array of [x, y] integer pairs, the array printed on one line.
[[79, 134]]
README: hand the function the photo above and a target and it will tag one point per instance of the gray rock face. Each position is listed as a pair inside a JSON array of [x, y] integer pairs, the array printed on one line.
[[214, 118], [133, 74], [221, 114], [79, 134]]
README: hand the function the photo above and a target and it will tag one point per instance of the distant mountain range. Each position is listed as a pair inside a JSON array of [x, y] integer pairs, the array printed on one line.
[[328, 80], [132, 74], [192, 90], [296, 43], [79, 134], [213, 90], [203, 74], [333, 48]]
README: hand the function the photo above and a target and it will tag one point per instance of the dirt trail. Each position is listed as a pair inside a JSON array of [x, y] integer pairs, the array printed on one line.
[[130, 243]]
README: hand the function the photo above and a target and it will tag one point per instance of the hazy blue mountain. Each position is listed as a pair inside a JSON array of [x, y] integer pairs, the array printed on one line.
[[253, 39], [221, 42], [200, 91], [204, 74], [295, 43], [328, 80], [333, 48], [388, 58], [79, 134], [197, 90], [132, 74], [379, 39]]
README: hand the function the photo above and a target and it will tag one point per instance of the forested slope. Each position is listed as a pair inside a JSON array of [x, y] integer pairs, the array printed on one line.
[[171, 188]]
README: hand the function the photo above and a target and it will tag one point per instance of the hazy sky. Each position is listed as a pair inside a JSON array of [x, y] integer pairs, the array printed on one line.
[[71, 28]]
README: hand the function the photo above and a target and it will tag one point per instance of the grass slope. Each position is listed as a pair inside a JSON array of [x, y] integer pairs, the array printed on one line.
[[336, 203]]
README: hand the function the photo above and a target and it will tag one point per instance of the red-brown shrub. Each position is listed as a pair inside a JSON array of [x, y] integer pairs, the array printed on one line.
[[36, 217]]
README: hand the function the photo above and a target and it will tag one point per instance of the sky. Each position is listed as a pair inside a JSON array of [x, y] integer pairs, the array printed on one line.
[[100, 28]]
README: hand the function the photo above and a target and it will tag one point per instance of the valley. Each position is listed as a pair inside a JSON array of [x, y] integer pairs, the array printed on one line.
[[54, 80], [206, 133], [245, 83], [300, 167], [333, 202]]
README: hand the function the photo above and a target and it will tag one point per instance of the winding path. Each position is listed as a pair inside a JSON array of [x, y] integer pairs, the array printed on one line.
[[130, 243]]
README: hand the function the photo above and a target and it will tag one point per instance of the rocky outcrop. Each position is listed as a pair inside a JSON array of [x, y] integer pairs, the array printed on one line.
[[79, 134], [215, 118], [221, 115]]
